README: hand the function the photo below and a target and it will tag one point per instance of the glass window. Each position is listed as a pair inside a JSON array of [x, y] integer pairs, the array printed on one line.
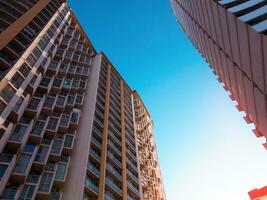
[[46, 182], [17, 80], [31, 60], [61, 170], [22, 163], [7, 93], [41, 154], [38, 128], [18, 133], [68, 141], [25, 69], [29, 148], [2, 170], [27, 192]]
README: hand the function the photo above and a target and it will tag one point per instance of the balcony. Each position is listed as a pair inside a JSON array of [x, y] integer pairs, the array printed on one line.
[[113, 159], [114, 148], [34, 107], [93, 170], [75, 85], [60, 103], [19, 108], [9, 160], [95, 155], [64, 123], [133, 188], [10, 192], [6, 132], [19, 136], [85, 72], [96, 143], [37, 131], [41, 157], [82, 85], [79, 101], [132, 176], [67, 85], [22, 167], [130, 163], [45, 185], [46, 84], [52, 127], [61, 173], [75, 117], [53, 68], [114, 138], [114, 172], [49, 105], [63, 69], [57, 85], [57, 147], [70, 101], [113, 186], [68, 144], [91, 186]]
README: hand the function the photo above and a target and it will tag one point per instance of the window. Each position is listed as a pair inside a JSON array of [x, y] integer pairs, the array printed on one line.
[[41, 154], [36, 52], [65, 120], [29, 148], [27, 192], [61, 170], [2, 106], [57, 82], [49, 102], [38, 127], [41, 44], [9, 192], [25, 70], [70, 99], [22, 163], [53, 123], [31, 60], [46, 182], [2, 170], [45, 82], [33, 105], [18, 104], [56, 147], [7, 93], [68, 141], [18, 133], [17, 80], [67, 83]]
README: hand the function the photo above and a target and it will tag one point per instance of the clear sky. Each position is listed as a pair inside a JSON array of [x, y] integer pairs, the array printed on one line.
[[206, 150]]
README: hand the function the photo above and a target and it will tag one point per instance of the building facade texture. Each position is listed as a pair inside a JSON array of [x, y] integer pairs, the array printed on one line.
[[151, 179], [231, 36], [68, 128]]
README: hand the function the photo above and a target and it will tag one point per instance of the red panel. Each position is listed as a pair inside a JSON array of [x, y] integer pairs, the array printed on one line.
[[264, 38], [217, 22], [211, 19], [241, 92], [250, 100], [234, 89], [256, 58], [243, 46], [233, 38], [261, 112]]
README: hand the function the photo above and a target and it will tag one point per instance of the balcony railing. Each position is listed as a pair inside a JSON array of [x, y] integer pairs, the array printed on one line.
[[92, 168], [114, 186], [91, 185]]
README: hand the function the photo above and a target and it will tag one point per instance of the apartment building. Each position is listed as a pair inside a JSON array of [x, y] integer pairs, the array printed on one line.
[[151, 179], [231, 36], [67, 123]]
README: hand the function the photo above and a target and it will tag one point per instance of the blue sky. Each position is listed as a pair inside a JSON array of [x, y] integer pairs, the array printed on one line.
[[206, 149]]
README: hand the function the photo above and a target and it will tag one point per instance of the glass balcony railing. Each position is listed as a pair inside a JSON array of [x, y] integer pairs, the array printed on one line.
[[110, 183], [91, 185], [130, 185], [95, 155], [6, 158], [114, 171], [92, 168]]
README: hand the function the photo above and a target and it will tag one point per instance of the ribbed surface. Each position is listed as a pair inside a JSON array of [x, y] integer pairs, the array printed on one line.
[[236, 51]]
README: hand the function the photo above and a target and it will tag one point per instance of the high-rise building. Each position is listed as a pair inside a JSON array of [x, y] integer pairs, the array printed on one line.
[[67, 121], [258, 194], [231, 36], [151, 179]]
